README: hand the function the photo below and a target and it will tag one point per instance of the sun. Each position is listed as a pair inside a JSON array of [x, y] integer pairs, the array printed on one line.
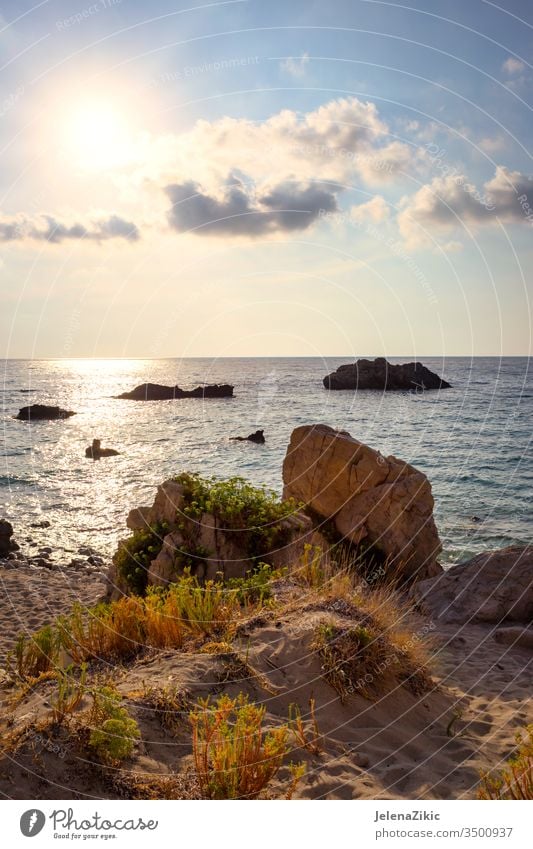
[[99, 136]]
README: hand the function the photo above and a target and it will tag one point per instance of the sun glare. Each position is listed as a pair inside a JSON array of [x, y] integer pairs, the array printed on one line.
[[98, 137]]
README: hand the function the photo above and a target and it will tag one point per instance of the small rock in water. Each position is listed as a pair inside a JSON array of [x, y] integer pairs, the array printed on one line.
[[257, 437], [43, 524]]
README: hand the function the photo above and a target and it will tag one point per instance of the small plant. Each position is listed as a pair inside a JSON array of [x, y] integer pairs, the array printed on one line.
[[170, 706], [310, 740], [37, 653], [354, 659], [254, 588], [114, 730], [234, 757], [69, 695], [135, 554], [515, 780]]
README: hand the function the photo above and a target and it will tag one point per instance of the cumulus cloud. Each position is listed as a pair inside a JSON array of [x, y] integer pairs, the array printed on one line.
[[240, 210], [375, 210], [450, 201], [341, 140], [50, 229], [295, 66]]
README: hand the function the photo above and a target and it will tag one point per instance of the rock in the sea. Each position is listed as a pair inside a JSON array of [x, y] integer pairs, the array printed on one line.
[[258, 437], [204, 543], [7, 543], [95, 451], [158, 392], [42, 412], [381, 501], [382, 375], [496, 586]]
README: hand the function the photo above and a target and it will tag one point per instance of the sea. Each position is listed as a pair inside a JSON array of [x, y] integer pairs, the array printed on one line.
[[473, 441]]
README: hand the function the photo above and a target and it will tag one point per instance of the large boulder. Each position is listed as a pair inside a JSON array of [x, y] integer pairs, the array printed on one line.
[[159, 392], [380, 501], [42, 412], [203, 544], [7, 542], [382, 375], [493, 587]]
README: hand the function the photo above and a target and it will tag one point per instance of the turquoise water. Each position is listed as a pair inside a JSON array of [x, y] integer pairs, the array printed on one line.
[[473, 441]]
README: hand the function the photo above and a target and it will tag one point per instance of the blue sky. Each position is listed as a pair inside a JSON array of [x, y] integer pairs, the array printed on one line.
[[251, 178]]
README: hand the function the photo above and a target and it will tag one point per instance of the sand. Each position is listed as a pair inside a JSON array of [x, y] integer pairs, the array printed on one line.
[[399, 746]]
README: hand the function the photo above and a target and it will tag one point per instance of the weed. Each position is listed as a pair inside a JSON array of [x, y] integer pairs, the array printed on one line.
[[234, 757], [114, 730], [353, 659], [69, 695], [169, 704], [312, 741], [515, 780]]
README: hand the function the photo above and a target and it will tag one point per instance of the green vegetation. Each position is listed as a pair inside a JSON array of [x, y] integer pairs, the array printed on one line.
[[69, 694], [135, 554], [354, 659], [255, 513], [114, 731], [119, 630], [234, 757], [515, 780]]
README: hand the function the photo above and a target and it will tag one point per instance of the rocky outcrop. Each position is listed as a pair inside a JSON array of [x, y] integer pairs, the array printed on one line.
[[494, 587], [257, 437], [380, 501], [7, 543], [159, 392], [43, 412], [384, 376], [205, 544], [95, 451]]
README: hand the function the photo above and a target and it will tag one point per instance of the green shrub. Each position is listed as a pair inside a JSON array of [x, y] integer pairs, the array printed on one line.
[[234, 757], [115, 731], [254, 512], [135, 554]]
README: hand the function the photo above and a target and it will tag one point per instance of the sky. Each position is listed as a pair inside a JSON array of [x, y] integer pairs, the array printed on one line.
[[244, 178]]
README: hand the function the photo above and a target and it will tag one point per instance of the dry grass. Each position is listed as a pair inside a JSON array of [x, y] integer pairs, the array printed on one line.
[[120, 630], [69, 695], [170, 705], [234, 757], [307, 734], [515, 780]]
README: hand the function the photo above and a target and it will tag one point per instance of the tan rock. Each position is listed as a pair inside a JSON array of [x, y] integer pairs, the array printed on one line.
[[381, 500], [496, 586], [138, 518]]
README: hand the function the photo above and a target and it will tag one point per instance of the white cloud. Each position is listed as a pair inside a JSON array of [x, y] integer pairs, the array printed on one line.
[[295, 66], [375, 210], [47, 228], [513, 66], [449, 202]]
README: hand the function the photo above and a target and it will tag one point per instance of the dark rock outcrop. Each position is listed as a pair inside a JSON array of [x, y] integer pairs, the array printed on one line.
[[7, 543], [258, 437], [384, 376], [95, 451], [493, 587], [159, 392], [43, 412]]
